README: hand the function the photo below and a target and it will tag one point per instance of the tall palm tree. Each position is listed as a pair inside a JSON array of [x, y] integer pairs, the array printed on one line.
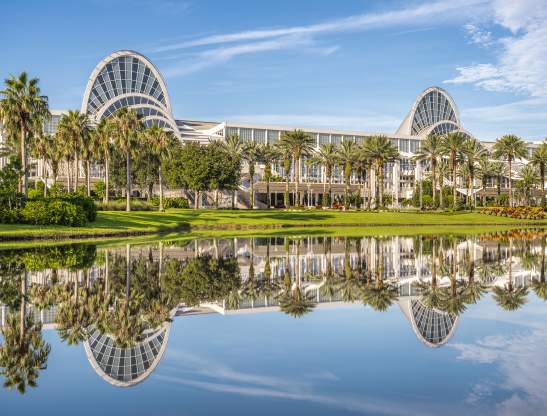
[[452, 146], [103, 133], [529, 177], [539, 159], [268, 155], [510, 147], [301, 144], [443, 169], [347, 156], [161, 142], [235, 147], [380, 149], [23, 111], [41, 148], [74, 131], [473, 151], [327, 156], [127, 124], [485, 170], [498, 170], [430, 150], [252, 156], [285, 154]]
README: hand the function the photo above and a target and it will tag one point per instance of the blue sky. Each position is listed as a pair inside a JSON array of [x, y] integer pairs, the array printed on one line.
[[351, 64]]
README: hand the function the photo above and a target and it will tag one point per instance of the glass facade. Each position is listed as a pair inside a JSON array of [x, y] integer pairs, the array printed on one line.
[[431, 109]]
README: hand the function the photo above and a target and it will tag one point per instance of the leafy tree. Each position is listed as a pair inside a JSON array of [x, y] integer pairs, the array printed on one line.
[[431, 150], [380, 149], [347, 156], [452, 146], [327, 156]]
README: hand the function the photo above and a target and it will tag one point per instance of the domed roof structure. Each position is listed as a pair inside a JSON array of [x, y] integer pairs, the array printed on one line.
[[433, 111], [431, 326], [128, 79], [126, 367]]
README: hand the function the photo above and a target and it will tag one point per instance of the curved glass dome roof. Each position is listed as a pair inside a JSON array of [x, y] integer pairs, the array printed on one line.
[[128, 79], [432, 326], [125, 367], [433, 107]]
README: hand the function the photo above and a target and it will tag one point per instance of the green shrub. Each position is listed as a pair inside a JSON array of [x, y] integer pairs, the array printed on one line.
[[119, 205], [174, 202], [9, 216], [85, 202], [35, 193], [53, 212], [100, 189]]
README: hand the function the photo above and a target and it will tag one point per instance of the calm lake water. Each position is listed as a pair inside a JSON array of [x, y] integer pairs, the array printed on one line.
[[392, 325]]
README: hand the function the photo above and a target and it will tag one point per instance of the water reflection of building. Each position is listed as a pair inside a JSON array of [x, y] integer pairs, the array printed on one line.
[[126, 367], [402, 259]]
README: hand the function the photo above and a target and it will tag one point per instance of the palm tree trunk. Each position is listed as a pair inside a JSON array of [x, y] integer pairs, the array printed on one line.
[[77, 172], [286, 195], [160, 180], [196, 199], [68, 175], [330, 190], [23, 311], [87, 178], [297, 179], [369, 186], [128, 181], [542, 176], [252, 195], [510, 184], [24, 163], [106, 180], [434, 180], [454, 194], [269, 198]]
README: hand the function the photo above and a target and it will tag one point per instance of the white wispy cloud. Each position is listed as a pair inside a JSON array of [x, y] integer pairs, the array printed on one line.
[[478, 35], [521, 56], [183, 367], [307, 37]]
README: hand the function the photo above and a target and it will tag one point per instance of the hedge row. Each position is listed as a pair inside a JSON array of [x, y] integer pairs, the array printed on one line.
[[530, 213]]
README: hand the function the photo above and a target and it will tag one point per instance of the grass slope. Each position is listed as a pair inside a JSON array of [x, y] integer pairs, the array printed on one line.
[[119, 223]]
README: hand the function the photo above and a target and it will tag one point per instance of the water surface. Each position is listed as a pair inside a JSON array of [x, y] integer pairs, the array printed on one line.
[[310, 325]]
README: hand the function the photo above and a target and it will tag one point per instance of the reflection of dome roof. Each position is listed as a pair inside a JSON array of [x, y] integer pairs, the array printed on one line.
[[431, 326], [126, 367]]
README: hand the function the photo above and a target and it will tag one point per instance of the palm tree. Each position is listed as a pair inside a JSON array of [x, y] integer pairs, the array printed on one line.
[[509, 297], [42, 148], [473, 151], [285, 153], [252, 156], [22, 112], [453, 298], [301, 144], [268, 155], [429, 291], [103, 138], [347, 156], [498, 170], [539, 159], [452, 146], [327, 156], [380, 149], [529, 177], [74, 131], [431, 150], [161, 142], [444, 171], [510, 147], [127, 124], [234, 146], [485, 170]]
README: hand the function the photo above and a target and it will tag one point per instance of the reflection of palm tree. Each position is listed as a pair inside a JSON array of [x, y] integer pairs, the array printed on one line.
[[540, 286], [380, 296], [509, 297], [473, 289], [453, 298], [23, 352], [268, 286], [250, 287], [430, 295], [73, 317]]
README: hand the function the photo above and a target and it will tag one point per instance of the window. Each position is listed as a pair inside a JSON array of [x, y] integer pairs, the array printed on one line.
[[246, 134], [273, 136], [260, 135]]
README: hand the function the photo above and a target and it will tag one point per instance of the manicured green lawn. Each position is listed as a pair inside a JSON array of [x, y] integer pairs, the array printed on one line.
[[111, 223]]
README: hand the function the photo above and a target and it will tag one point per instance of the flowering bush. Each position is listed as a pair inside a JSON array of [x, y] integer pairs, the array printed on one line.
[[529, 213]]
